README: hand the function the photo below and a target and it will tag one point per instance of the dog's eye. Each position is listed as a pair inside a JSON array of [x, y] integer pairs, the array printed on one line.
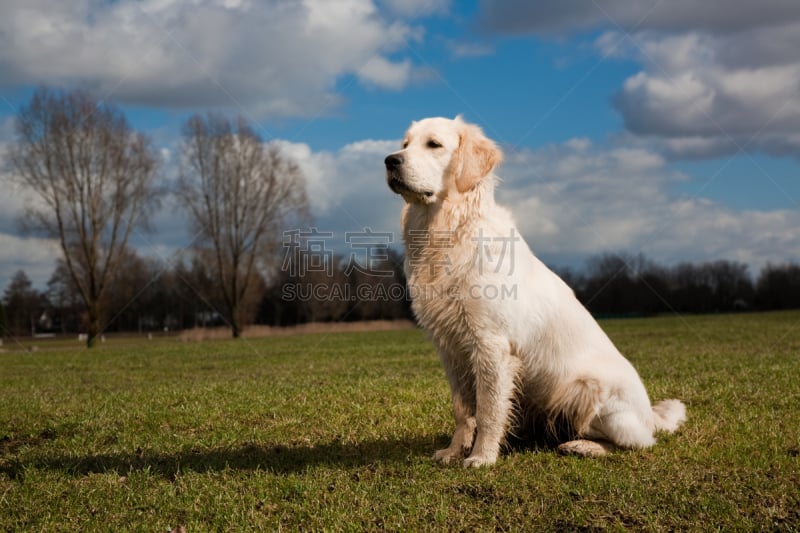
[[405, 145], [434, 144]]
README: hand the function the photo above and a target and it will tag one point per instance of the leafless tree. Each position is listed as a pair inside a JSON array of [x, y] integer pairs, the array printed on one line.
[[240, 194], [93, 179]]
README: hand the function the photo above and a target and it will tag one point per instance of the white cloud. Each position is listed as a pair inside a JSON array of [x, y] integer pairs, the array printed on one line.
[[578, 144], [33, 255], [37, 257], [717, 77], [347, 188], [698, 101], [384, 73], [259, 58], [572, 200]]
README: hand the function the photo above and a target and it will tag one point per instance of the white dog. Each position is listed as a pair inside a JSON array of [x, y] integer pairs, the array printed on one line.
[[511, 335]]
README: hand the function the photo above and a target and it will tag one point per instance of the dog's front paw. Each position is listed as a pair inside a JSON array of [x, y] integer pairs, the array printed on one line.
[[477, 461], [447, 455]]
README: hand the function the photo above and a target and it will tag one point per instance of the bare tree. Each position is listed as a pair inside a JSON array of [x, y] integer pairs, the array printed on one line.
[[240, 195], [92, 176]]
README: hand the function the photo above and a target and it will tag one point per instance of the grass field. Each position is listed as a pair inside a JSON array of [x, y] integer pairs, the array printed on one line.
[[335, 432]]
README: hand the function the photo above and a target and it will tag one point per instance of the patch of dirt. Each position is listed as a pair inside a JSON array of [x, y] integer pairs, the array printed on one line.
[[9, 444]]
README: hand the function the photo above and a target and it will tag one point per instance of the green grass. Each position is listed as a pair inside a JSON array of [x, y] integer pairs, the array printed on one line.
[[335, 432]]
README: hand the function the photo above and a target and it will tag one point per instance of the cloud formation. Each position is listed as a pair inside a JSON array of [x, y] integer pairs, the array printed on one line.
[[271, 58], [36, 256], [347, 187], [700, 97], [574, 199], [718, 77], [570, 200]]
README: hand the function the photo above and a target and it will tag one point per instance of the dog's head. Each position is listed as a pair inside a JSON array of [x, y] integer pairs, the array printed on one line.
[[440, 157]]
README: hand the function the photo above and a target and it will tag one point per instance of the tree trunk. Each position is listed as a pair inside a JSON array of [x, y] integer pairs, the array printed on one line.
[[94, 326], [236, 328], [234, 307]]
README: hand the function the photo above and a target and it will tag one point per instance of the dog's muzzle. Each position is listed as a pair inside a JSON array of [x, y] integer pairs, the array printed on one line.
[[394, 165], [394, 176]]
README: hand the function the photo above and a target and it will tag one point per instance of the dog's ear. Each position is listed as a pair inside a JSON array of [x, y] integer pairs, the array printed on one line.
[[475, 158]]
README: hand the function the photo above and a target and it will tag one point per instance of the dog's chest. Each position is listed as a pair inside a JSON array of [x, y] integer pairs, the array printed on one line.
[[439, 271], [454, 257]]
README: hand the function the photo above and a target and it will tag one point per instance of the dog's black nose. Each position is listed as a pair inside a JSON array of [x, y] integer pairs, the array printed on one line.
[[393, 161]]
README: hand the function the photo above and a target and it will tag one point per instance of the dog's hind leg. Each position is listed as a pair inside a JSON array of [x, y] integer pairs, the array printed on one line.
[[623, 429]]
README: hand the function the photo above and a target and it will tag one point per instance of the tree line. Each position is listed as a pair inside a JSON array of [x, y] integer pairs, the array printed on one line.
[[152, 296], [149, 295], [627, 284]]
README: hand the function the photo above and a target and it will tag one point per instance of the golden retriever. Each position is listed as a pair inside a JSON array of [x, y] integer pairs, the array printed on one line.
[[511, 335]]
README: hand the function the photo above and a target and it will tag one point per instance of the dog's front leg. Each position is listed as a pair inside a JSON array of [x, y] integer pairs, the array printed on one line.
[[463, 396], [495, 374], [464, 433]]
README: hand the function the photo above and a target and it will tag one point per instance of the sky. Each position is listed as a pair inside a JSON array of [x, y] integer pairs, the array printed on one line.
[[668, 128]]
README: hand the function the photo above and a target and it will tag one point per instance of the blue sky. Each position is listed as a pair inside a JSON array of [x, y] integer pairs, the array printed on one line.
[[667, 128]]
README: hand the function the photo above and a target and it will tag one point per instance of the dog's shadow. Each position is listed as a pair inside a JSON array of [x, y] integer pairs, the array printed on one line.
[[276, 458], [281, 459]]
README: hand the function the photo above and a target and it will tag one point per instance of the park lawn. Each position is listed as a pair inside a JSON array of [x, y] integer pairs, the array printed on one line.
[[335, 432]]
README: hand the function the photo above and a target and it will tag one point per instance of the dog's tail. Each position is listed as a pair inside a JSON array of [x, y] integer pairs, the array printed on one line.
[[668, 415]]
